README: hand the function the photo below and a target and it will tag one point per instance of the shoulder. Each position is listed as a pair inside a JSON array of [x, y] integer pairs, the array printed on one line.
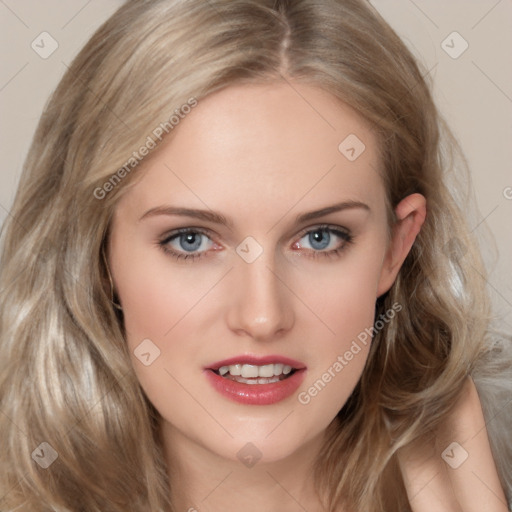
[[493, 379]]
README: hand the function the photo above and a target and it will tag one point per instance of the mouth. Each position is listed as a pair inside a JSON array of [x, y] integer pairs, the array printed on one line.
[[254, 374], [256, 380]]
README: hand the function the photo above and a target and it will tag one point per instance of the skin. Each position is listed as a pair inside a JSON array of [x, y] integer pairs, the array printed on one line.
[[260, 155], [469, 484]]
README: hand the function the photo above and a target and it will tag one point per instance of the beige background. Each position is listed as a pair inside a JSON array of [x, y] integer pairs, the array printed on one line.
[[473, 91]]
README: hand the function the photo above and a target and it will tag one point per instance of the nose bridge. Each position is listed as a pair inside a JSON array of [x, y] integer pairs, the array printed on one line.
[[261, 305]]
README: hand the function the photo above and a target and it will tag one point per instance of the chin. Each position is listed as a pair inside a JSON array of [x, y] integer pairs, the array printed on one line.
[[270, 441]]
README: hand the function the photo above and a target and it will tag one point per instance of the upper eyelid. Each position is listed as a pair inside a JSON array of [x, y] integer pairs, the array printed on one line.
[[328, 227], [183, 231]]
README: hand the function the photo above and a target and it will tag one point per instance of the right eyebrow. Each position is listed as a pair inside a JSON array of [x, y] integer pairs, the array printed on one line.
[[207, 215]]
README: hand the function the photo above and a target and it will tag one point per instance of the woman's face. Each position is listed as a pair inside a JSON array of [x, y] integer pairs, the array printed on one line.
[[255, 241]]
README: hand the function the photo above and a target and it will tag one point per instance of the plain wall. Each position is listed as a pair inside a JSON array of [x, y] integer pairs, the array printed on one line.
[[473, 92]]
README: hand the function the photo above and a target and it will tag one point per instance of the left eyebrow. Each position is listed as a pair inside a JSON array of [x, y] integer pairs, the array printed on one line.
[[346, 205]]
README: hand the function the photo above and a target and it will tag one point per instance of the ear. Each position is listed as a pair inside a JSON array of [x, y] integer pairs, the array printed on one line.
[[410, 215]]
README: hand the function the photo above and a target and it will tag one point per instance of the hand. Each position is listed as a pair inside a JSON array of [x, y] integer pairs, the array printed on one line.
[[456, 472]]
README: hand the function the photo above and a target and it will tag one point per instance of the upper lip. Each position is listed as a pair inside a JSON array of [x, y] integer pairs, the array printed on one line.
[[257, 361]]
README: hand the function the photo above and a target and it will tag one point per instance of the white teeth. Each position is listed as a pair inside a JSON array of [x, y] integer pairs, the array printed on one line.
[[261, 380], [278, 369], [268, 381], [250, 371], [235, 369], [266, 371]]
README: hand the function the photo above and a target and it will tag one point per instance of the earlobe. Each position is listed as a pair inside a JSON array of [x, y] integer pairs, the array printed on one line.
[[410, 216]]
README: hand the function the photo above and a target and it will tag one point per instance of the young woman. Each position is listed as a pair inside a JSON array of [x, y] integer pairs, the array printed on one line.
[[235, 277]]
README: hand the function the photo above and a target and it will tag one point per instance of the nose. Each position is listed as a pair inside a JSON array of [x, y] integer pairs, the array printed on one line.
[[261, 304]]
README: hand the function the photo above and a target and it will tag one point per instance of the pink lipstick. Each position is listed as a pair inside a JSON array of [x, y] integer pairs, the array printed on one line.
[[256, 380]]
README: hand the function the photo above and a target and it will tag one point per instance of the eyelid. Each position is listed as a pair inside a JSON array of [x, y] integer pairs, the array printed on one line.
[[178, 231], [332, 227]]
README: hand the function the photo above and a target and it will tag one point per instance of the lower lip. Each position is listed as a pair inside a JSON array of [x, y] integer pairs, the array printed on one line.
[[256, 394]]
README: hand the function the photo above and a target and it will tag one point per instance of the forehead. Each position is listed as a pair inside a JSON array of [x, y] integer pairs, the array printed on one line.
[[264, 148]]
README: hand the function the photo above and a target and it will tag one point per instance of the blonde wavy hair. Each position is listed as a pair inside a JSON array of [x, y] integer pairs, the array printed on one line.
[[65, 372]]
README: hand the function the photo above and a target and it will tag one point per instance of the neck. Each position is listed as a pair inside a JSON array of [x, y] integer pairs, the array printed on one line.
[[204, 481]]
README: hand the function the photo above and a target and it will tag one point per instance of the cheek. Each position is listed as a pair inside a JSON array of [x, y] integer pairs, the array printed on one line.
[[344, 300], [157, 295], [173, 306], [344, 294], [162, 311]]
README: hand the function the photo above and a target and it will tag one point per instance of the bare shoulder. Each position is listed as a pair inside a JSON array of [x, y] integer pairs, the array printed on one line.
[[457, 471]]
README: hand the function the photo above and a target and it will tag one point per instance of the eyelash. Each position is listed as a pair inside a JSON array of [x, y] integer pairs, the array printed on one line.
[[333, 253]]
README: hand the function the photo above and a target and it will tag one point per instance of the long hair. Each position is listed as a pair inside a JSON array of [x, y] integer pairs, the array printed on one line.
[[68, 392]]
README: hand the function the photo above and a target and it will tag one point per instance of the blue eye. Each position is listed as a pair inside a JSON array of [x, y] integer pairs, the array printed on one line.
[[185, 242], [193, 243], [319, 239], [190, 241], [325, 241]]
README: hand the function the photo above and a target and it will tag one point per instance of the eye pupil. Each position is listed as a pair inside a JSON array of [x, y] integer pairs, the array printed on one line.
[[319, 239], [194, 239]]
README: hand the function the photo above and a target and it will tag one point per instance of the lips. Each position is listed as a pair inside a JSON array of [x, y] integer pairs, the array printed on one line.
[[256, 380]]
